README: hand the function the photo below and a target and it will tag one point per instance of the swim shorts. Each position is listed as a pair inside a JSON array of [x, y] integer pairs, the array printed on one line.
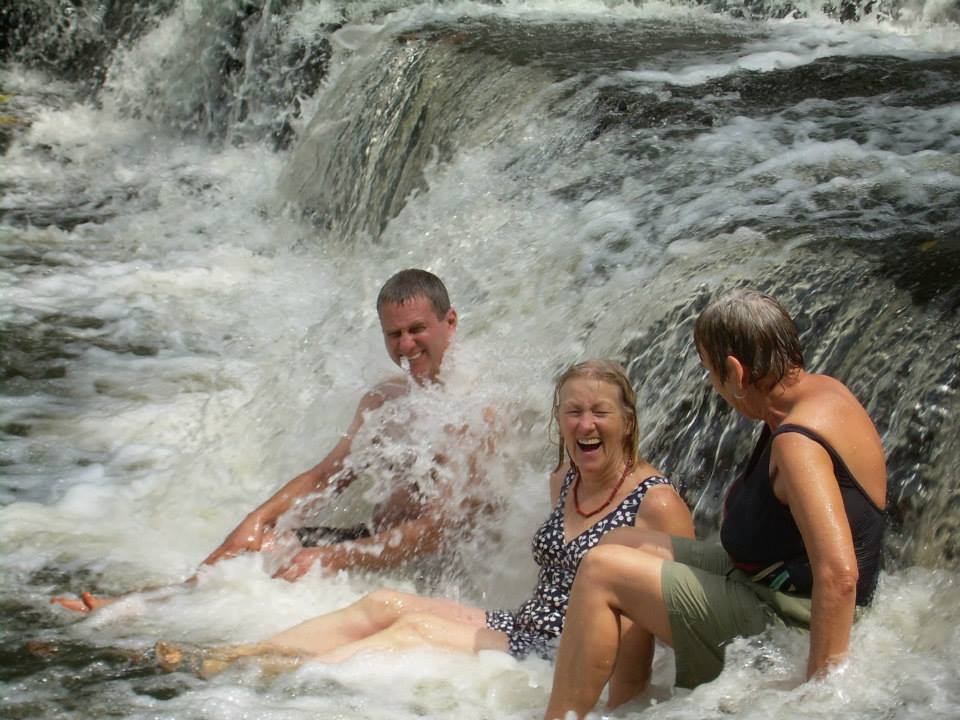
[[710, 602], [314, 536]]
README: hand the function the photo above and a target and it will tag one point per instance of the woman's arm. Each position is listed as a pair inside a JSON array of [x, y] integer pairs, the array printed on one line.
[[805, 481], [663, 509]]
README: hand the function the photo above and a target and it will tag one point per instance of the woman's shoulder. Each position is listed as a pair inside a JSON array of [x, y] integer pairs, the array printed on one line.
[[827, 406], [663, 509], [830, 415]]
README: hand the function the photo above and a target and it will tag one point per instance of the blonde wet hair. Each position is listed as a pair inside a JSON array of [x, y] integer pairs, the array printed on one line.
[[609, 372]]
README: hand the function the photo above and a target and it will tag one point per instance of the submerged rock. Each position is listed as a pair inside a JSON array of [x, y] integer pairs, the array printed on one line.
[[12, 121]]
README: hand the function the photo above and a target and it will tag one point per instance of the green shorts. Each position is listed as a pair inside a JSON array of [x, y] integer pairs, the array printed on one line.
[[710, 603]]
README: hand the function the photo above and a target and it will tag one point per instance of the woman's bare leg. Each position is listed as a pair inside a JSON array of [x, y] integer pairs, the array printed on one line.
[[368, 616], [409, 631], [426, 630], [207, 662], [634, 664], [378, 620], [612, 580]]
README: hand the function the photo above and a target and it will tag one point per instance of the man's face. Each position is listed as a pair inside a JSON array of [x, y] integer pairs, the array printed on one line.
[[412, 330]]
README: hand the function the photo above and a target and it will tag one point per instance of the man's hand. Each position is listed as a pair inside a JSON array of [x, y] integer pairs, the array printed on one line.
[[246, 537], [329, 557]]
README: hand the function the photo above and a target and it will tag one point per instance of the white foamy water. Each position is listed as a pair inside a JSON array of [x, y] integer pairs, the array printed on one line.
[[192, 345]]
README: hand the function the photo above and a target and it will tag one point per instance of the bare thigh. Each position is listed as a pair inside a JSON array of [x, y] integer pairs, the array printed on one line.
[[461, 636], [403, 603], [654, 542], [426, 630], [372, 614]]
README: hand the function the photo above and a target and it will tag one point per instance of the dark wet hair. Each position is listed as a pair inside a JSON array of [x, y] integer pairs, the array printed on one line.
[[408, 284], [755, 329], [609, 372]]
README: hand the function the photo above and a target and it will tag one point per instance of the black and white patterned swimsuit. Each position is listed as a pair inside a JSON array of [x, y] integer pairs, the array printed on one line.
[[537, 625]]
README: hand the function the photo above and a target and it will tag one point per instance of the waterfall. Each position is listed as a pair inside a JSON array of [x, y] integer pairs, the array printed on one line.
[[848, 244]]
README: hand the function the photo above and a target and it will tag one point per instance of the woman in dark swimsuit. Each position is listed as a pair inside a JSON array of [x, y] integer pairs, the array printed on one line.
[[801, 536], [600, 484]]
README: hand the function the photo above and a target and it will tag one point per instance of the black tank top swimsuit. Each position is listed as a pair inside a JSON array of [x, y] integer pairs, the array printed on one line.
[[536, 626], [762, 538]]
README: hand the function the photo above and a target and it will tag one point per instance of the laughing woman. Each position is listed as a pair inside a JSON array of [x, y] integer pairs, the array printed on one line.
[[801, 537], [600, 484]]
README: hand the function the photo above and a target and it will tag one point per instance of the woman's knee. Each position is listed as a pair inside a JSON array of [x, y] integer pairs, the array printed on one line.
[[616, 568], [603, 563], [416, 627], [385, 605]]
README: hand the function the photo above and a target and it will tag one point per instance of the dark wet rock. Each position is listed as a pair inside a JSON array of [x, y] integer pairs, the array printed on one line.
[[926, 83], [618, 106], [13, 120], [74, 39], [244, 79], [844, 10], [44, 348], [16, 429], [921, 83], [10, 125], [927, 266], [65, 218], [248, 80], [567, 49], [80, 668]]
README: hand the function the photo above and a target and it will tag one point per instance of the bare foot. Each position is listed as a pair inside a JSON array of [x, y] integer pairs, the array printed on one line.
[[74, 604], [276, 663], [41, 648], [169, 657], [202, 662], [86, 602], [207, 662]]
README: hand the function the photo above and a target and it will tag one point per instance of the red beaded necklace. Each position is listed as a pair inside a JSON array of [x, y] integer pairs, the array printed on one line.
[[576, 500]]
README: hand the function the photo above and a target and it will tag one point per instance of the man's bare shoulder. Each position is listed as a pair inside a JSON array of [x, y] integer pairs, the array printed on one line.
[[389, 389]]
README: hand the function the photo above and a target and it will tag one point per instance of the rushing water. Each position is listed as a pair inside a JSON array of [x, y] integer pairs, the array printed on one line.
[[199, 201]]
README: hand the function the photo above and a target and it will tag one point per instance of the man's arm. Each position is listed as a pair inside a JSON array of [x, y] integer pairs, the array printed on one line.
[[384, 550], [412, 538], [249, 534], [423, 535]]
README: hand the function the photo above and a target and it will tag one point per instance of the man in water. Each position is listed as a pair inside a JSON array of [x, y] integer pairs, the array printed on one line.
[[418, 324]]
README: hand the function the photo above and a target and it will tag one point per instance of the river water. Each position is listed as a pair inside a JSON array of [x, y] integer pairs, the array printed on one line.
[[200, 200]]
